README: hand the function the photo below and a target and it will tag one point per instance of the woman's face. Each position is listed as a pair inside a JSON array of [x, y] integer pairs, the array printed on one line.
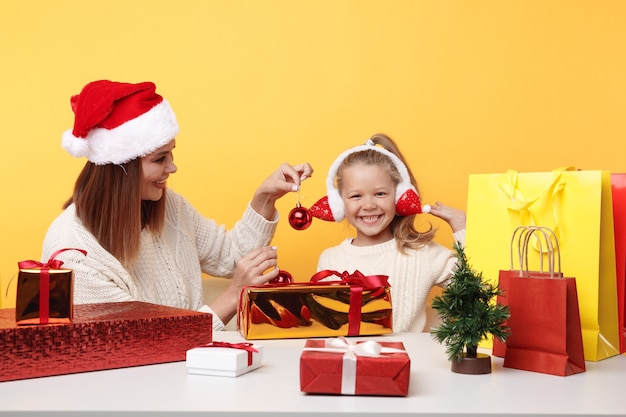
[[156, 167]]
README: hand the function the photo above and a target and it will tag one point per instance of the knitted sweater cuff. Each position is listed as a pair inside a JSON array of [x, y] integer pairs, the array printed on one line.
[[260, 223], [217, 322], [460, 236]]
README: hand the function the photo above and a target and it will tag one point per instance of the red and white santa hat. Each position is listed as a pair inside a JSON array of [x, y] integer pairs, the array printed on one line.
[[117, 122], [331, 207]]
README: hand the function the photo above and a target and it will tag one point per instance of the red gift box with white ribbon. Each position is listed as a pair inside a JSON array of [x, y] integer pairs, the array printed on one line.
[[342, 366]]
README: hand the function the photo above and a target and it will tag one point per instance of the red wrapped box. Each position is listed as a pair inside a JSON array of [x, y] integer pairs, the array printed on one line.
[[347, 305], [340, 366], [101, 336]]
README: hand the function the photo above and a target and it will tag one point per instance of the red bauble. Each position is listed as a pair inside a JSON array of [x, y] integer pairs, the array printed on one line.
[[300, 218], [283, 277]]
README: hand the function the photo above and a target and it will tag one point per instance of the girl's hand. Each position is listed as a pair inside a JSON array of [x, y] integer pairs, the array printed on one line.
[[454, 217]]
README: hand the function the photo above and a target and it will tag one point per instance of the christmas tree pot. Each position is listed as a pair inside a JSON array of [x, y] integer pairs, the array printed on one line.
[[481, 364]]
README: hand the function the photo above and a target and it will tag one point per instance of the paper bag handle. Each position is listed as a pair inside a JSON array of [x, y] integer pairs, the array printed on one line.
[[521, 242], [514, 236], [521, 238], [553, 251]]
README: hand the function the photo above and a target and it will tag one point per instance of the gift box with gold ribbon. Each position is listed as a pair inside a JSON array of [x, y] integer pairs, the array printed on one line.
[[340, 366], [330, 304]]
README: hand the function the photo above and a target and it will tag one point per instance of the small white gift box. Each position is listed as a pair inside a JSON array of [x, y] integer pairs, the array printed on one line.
[[224, 359]]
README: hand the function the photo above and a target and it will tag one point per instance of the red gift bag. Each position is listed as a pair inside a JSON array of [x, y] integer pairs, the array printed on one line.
[[618, 186], [520, 240], [545, 323]]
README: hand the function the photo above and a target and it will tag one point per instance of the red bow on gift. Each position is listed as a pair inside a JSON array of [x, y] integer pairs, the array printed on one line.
[[242, 345], [358, 282], [368, 282], [44, 280]]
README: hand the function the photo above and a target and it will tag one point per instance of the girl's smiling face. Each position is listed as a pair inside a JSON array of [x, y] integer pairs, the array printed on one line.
[[368, 193], [156, 167]]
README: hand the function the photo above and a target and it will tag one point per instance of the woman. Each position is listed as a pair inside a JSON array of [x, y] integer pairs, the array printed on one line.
[[144, 242]]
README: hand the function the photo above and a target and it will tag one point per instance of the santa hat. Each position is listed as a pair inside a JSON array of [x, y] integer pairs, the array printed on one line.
[[118, 122], [331, 207]]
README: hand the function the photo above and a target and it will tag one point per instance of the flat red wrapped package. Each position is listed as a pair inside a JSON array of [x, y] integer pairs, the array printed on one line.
[[101, 336], [341, 366]]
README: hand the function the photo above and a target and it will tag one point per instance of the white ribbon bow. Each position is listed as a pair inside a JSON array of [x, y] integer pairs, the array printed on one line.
[[350, 352]]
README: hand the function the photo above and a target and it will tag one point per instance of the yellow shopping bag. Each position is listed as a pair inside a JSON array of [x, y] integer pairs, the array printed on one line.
[[577, 206]]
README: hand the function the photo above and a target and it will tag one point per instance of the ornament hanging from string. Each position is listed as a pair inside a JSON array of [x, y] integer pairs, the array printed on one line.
[[300, 218]]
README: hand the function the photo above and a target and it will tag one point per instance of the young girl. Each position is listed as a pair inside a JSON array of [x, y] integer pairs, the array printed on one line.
[[143, 241], [374, 190]]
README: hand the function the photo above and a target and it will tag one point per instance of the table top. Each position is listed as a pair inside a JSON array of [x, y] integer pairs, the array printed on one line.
[[274, 389]]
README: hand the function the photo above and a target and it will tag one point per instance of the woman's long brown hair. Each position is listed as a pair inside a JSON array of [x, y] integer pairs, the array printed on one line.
[[108, 202]]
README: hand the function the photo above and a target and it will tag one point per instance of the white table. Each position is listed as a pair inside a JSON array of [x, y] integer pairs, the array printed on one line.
[[274, 390]]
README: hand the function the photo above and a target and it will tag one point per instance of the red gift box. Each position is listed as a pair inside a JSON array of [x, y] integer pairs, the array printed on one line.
[[340, 366], [101, 336]]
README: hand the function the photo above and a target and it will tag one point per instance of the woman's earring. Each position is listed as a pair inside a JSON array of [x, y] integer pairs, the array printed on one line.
[[300, 218]]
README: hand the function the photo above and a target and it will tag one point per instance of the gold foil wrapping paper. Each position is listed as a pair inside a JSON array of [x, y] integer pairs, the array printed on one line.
[[312, 310]]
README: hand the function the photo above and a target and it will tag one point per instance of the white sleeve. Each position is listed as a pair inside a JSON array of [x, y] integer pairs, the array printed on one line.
[[217, 322], [459, 236]]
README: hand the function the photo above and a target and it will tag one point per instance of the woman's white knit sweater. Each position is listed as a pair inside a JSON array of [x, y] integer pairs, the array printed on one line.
[[411, 276], [170, 265]]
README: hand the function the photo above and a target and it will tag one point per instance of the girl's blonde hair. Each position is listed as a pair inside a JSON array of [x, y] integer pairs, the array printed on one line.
[[108, 203], [403, 227]]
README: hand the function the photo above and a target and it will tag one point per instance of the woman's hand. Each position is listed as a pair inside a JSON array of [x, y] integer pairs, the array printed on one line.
[[285, 179], [254, 268]]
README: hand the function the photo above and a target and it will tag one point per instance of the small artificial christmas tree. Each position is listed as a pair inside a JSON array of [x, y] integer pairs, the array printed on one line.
[[468, 316]]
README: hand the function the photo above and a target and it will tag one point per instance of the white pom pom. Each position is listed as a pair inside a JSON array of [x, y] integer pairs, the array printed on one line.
[[76, 147], [426, 208]]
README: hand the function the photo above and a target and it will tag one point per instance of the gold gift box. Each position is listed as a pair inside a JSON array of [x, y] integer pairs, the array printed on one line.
[[59, 296], [305, 310]]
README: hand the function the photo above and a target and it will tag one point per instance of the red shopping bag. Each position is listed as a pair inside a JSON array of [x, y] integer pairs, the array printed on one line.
[[545, 326], [545, 322], [521, 240], [618, 185]]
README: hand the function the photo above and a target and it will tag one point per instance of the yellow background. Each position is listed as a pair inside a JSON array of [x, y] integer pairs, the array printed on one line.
[[463, 86]]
